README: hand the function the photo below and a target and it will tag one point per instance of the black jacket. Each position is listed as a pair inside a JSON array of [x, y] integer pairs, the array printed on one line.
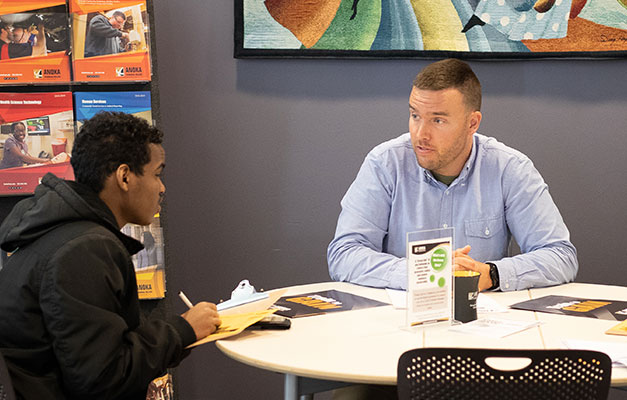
[[70, 325]]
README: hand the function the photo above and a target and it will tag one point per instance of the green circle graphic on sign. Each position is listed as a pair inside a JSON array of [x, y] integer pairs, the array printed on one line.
[[441, 282], [432, 278], [439, 259]]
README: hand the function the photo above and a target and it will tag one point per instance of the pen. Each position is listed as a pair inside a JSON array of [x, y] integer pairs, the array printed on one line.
[[185, 299]]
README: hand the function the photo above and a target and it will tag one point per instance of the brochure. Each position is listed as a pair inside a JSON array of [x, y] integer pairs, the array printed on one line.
[[36, 134], [110, 40], [89, 104], [34, 42], [565, 305], [323, 302], [149, 262]]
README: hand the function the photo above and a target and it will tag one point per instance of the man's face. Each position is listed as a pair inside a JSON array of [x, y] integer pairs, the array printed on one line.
[[441, 129], [117, 22], [20, 35], [6, 34], [19, 132], [146, 191]]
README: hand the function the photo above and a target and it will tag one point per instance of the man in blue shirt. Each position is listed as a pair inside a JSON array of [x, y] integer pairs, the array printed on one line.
[[444, 174]]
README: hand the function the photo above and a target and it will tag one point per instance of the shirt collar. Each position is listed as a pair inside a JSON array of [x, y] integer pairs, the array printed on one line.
[[470, 162]]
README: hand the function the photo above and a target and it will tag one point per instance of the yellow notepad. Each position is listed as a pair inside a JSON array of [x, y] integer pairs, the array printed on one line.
[[233, 325], [620, 329]]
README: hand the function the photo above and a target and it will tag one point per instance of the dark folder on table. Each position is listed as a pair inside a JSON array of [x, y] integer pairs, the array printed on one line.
[[322, 302], [592, 308]]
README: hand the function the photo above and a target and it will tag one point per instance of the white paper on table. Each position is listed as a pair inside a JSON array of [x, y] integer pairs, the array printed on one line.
[[616, 351], [494, 327], [485, 304], [398, 298]]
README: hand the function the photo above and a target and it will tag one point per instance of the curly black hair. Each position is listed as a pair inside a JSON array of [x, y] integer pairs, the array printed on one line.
[[108, 140]]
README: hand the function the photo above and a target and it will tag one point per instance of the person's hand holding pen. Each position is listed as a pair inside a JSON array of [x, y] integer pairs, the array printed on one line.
[[203, 317]]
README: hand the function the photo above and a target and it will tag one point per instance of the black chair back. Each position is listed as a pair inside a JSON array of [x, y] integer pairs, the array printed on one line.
[[468, 374]]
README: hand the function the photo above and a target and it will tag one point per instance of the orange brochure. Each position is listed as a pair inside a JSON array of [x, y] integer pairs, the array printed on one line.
[[110, 41], [34, 42]]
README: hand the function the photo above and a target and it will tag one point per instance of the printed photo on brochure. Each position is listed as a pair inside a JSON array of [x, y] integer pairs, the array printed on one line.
[[149, 263], [34, 42]]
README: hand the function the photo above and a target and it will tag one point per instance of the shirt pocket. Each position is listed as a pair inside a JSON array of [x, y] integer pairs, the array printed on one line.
[[485, 228]]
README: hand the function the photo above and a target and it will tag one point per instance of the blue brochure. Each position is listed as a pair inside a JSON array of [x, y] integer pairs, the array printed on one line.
[[89, 104]]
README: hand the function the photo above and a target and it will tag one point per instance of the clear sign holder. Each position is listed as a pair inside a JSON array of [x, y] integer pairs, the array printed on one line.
[[429, 277]]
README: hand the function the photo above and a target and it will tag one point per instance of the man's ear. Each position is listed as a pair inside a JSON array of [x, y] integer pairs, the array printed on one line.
[[122, 176], [474, 121]]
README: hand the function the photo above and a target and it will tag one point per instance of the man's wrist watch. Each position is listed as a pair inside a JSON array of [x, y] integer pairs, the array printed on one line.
[[494, 276]]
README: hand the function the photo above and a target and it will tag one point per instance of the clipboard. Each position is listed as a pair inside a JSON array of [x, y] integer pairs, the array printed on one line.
[[260, 304]]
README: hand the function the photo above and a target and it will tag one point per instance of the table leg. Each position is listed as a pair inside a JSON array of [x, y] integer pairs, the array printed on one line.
[[300, 388], [290, 390]]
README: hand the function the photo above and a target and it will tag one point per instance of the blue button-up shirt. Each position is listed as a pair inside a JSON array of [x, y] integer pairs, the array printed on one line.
[[499, 193]]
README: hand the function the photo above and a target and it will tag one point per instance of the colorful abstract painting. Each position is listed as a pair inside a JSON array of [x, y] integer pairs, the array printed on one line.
[[431, 28]]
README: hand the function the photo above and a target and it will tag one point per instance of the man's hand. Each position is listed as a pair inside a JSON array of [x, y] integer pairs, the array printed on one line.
[[203, 318], [464, 262]]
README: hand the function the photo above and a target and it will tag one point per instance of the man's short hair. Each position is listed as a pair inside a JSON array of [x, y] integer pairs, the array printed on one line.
[[451, 73], [108, 140], [119, 14]]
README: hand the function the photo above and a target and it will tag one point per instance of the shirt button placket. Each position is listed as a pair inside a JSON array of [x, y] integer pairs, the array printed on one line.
[[446, 209]]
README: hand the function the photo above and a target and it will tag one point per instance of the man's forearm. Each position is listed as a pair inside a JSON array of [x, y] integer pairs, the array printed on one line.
[[551, 265], [355, 263], [39, 49]]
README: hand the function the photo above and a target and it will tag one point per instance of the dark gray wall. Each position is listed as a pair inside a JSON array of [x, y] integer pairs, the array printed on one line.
[[260, 152]]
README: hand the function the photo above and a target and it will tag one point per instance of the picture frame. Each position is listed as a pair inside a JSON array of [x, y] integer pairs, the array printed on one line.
[[470, 29]]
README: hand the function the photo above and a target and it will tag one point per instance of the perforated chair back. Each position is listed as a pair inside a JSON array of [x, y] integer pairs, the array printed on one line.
[[6, 387], [463, 374]]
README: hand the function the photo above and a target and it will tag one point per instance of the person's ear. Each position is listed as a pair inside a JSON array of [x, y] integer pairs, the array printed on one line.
[[474, 121], [122, 176]]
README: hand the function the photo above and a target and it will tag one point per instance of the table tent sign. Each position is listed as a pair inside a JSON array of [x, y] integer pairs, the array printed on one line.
[[429, 276]]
